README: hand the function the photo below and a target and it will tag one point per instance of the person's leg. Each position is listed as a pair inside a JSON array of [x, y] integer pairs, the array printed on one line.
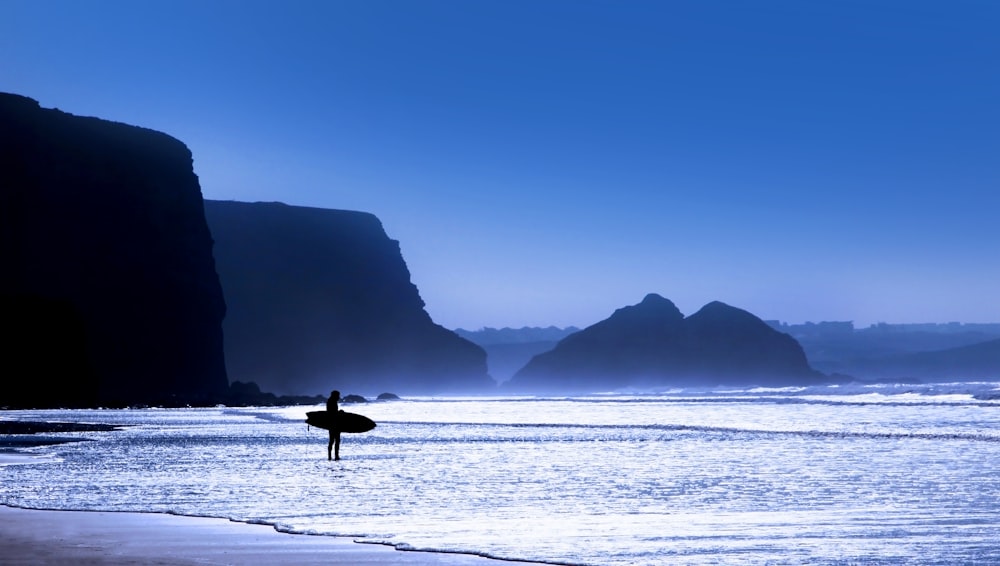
[[329, 446], [336, 449]]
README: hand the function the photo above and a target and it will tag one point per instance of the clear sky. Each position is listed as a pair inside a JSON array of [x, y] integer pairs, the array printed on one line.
[[546, 162]]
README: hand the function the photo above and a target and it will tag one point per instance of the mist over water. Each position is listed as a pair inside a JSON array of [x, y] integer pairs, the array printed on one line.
[[886, 474]]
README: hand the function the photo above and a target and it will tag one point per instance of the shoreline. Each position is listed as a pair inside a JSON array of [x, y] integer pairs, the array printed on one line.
[[46, 537]]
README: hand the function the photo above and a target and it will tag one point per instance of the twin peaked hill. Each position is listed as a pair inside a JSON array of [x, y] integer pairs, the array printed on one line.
[[651, 345]]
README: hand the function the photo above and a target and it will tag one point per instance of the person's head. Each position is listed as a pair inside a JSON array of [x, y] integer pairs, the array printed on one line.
[[335, 394]]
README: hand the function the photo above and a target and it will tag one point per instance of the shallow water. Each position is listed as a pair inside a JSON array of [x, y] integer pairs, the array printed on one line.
[[826, 475]]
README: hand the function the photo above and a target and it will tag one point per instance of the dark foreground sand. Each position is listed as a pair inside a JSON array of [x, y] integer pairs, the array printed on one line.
[[89, 538]]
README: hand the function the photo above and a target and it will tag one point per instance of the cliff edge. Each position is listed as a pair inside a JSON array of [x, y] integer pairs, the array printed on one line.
[[110, 294], [321, 299]]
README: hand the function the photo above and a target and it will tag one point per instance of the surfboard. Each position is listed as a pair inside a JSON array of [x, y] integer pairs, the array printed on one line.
[[346, 422]]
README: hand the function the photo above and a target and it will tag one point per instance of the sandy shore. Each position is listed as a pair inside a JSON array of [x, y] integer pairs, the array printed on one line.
[[91, 538]]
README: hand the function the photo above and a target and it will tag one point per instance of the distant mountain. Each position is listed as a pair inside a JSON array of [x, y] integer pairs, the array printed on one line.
[[976, 361], [652, 344], [889, 351], [508, 349], [109, 292], [321, 299]]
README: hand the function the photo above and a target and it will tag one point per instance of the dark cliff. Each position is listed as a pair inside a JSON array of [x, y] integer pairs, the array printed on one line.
[[109, 291], [651, 345], [321, 299]]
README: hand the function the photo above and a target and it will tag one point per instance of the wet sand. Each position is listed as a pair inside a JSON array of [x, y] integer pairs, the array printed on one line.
[[98, 538]]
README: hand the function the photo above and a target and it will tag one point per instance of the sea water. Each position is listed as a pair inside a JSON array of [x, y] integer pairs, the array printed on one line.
[[876, 474]]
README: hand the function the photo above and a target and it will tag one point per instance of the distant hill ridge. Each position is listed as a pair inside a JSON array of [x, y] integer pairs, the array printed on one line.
[[507, 335], [974, 361], [898, 351], [508, 349]]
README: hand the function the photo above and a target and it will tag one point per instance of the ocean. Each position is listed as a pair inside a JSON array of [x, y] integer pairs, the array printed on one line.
[[855, 474]]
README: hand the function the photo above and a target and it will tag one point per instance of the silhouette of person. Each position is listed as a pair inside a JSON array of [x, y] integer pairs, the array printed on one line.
[[333, 411]]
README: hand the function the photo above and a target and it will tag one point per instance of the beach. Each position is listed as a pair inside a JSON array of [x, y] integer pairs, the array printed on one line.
[[863, 474], [92, 538]]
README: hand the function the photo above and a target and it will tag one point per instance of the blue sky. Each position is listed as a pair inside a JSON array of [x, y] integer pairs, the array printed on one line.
[[546, 162]]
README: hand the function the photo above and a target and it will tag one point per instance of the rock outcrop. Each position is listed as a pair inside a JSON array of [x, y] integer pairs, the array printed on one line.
[[652, 345], [321, 299], [109, 289]]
